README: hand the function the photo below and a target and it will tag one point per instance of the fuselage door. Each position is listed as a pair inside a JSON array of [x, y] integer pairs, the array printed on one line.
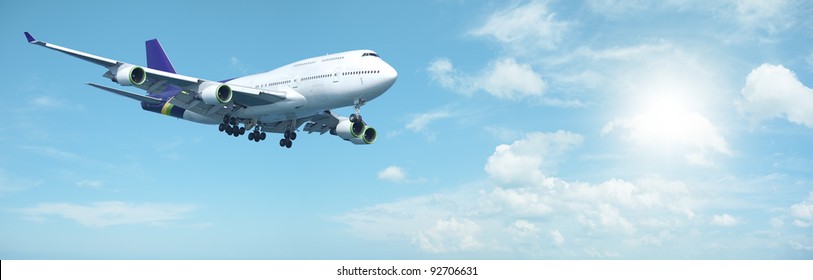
[[336, 73]]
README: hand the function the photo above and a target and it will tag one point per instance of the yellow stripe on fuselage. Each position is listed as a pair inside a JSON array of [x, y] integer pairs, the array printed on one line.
[[167, 108]]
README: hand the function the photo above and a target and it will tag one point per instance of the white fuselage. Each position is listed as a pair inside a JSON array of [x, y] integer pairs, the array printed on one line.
[[319, 83]]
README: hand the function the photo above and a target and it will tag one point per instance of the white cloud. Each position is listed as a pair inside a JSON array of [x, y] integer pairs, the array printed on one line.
[[503, 133], [419, 122], [557, 237], [449, 236], [45, 101], [613, 8], [443, 72], [768, 15], [633, 52], [93, 184], [109, 213], [393, 174], [507, 79], [53, 152], [523, 228], [525, 160], [799, 246], [773, 91], [803, 212], [525, 28], [10, 185], [236, 64], [724, 220], [604, 217], [690, 134], [523, 202], [502, 78]]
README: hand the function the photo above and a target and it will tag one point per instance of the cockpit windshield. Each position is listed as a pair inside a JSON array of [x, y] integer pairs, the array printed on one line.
[[369, 54]]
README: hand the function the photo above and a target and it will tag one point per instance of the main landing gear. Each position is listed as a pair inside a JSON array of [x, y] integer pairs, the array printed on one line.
[[288, 140], [231, 127], [256, 135]]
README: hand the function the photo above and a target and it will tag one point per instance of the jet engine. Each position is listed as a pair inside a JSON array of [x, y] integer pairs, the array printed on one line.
[[129, 75], [215, 93], [356, 132]]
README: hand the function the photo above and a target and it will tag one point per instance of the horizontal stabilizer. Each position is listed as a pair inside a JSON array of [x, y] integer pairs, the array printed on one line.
[[139, 97]]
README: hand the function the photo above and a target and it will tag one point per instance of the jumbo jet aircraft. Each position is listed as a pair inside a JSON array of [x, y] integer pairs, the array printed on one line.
[[277, 101]]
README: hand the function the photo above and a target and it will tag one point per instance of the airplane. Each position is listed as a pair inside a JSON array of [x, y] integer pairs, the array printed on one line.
[[278, 101]]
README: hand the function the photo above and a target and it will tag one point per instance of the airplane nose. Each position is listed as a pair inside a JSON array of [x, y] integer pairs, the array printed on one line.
[[389, 73]]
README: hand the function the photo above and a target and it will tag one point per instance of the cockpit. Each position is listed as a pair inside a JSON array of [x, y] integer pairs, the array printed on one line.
[[369, 54]]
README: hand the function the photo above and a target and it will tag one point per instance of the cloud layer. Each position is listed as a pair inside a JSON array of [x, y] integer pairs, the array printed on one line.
[[110, 213]]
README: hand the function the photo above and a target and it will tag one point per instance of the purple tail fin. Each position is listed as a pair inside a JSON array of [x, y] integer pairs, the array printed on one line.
[[156, 57]]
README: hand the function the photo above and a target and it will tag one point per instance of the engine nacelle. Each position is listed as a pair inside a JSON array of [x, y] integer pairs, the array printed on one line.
[[129, 75], [215, 93], [355, 132]]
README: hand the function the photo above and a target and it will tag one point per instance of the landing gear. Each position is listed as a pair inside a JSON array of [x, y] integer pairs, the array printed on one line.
[[231, 126], [290, 135], [234, 127], [357, 116], [287, 143], [256, 136]]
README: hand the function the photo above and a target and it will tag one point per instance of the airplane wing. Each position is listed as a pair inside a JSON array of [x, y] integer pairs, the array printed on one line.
[[198, 95], [322, 122]]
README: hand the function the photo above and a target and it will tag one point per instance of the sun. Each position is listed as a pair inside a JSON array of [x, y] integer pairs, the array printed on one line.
[[666, 122]]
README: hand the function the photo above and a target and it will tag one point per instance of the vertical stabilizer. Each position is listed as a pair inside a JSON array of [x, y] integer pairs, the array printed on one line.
[[156, 57]]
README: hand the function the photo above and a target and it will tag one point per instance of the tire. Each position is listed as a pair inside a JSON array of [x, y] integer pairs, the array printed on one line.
[[282, 142], [242, 130], [251, 136], [288, 144], [221, 127], [262, 136], [293, 136]]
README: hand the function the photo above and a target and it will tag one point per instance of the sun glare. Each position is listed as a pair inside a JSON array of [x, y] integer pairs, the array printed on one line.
[[665, 120]]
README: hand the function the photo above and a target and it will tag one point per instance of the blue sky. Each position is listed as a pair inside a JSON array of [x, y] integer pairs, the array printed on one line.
[[516, 130]]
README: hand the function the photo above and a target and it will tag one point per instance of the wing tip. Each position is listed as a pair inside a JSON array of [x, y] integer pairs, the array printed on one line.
[[29, 37]]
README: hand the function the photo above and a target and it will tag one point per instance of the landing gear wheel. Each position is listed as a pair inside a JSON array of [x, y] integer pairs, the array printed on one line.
[[242, 130], [262, 136], [251, 136], [233, 121], [292, 136], [285, 143], [228, 130], [287, 134], [221, 127], [226, 119]]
